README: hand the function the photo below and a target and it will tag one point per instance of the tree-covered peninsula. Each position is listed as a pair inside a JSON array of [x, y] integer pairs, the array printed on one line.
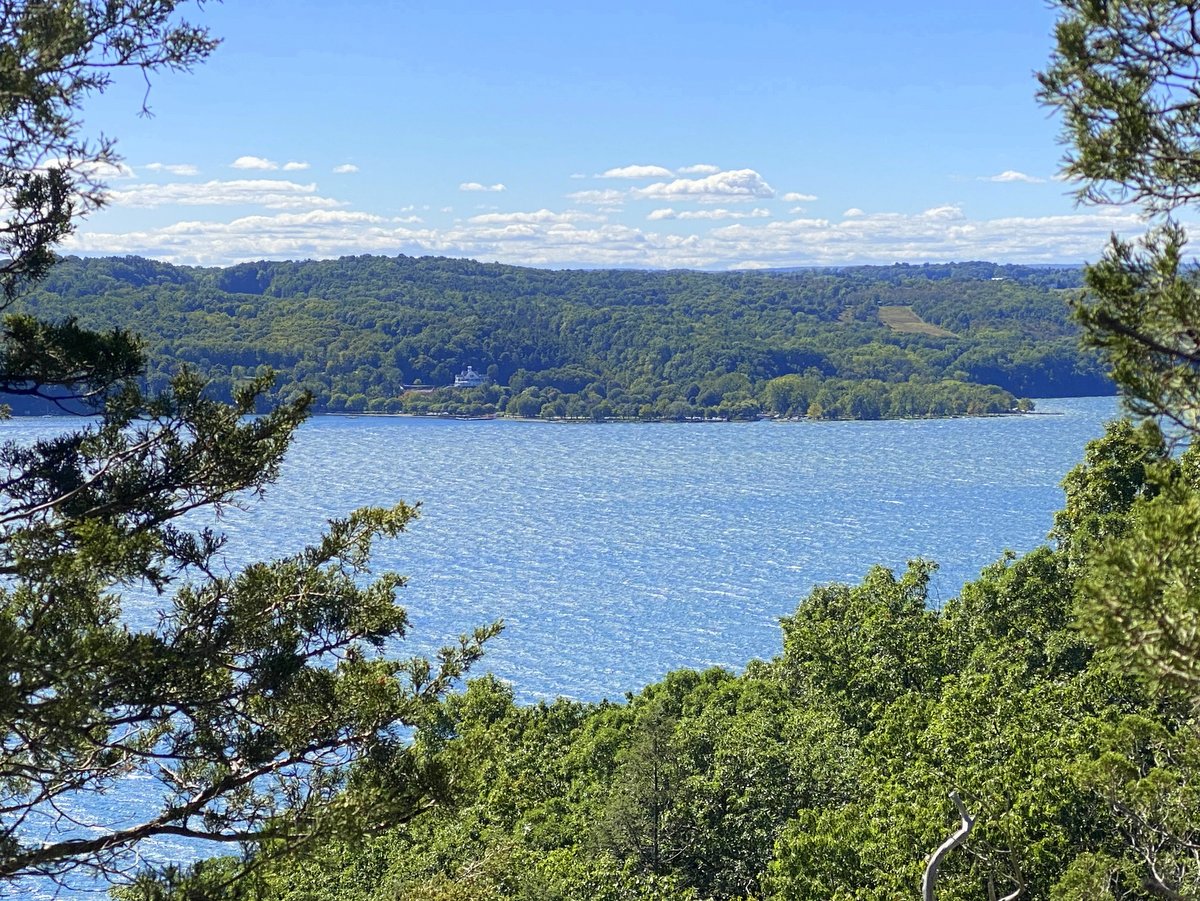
[[389, 335]]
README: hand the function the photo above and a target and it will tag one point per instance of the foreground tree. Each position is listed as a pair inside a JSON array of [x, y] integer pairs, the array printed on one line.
[[53, 54], [249, 699], [1125, 78]]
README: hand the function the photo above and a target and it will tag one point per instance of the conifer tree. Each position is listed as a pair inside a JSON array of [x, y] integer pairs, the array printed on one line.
[[246, 705]]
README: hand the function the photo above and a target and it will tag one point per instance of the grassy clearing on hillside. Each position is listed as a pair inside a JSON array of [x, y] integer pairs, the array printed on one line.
[[905, 319]]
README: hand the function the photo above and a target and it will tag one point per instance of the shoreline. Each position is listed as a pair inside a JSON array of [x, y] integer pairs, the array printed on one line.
[[635, 421], [362, 414]]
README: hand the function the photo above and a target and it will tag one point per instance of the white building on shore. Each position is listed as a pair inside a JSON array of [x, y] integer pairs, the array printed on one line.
[[469, 378]]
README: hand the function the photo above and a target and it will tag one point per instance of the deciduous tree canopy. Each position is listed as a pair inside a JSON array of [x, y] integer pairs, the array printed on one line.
[[359, 331]]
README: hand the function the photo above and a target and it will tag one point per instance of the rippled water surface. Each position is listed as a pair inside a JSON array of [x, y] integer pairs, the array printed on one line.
[[615, 553]]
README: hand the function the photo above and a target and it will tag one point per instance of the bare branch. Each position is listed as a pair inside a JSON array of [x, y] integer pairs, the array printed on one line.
[[929, 880]]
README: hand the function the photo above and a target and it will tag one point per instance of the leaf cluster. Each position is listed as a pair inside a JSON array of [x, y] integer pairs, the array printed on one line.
[[1124, 77]]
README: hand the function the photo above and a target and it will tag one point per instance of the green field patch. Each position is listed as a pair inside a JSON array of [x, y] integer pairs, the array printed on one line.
[[905, 319]]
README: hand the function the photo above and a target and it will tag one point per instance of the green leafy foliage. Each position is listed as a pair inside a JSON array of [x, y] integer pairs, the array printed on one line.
[[1123, 78], [1125, 81], [246, 702], [1141, 312], [823, 773], [1141, 592], [372, 334]]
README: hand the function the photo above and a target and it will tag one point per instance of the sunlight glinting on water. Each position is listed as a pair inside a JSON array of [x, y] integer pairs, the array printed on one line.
[[615, 553]]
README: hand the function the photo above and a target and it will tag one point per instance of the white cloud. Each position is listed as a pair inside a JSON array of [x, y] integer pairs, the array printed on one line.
[[796, 197], [540, 216], [345, 169], [173, 168], [104, 171], [1011, 175], [636, 172], [757, 213], [96, 170], [852, 213], [476, 186], [294, 166], [937, 234], [265, 192], [946, 212], [733, 185], [254, 162], [607, 197], [699, 169], [576, 238], [308, 235]]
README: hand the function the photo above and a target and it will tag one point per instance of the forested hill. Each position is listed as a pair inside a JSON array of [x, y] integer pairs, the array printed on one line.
[[858, 342]]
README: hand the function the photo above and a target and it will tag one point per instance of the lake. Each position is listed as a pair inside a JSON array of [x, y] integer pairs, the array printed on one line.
[[615, 553]]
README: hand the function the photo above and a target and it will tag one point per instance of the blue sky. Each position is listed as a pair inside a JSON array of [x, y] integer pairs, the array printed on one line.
[[649, 135]]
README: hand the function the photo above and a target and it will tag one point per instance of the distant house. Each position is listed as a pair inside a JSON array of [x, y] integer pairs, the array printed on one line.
[[469, 378]]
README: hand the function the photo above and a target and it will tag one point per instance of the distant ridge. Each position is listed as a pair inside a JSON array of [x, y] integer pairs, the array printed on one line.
[[598, 343]]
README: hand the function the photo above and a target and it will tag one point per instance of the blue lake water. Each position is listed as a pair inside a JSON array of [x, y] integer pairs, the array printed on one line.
[[616, 553]]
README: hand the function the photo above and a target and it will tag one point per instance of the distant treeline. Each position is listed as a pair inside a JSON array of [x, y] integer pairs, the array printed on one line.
[[360, 332]]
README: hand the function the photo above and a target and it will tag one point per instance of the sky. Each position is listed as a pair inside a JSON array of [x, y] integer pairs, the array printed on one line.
[[647, 135]]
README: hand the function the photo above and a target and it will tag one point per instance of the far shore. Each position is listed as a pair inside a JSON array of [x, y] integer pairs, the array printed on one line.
[[629, 420]]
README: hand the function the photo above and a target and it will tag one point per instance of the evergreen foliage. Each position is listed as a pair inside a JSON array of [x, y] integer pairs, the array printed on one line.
[[1125, 77], [262, 709], [54, 54]]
